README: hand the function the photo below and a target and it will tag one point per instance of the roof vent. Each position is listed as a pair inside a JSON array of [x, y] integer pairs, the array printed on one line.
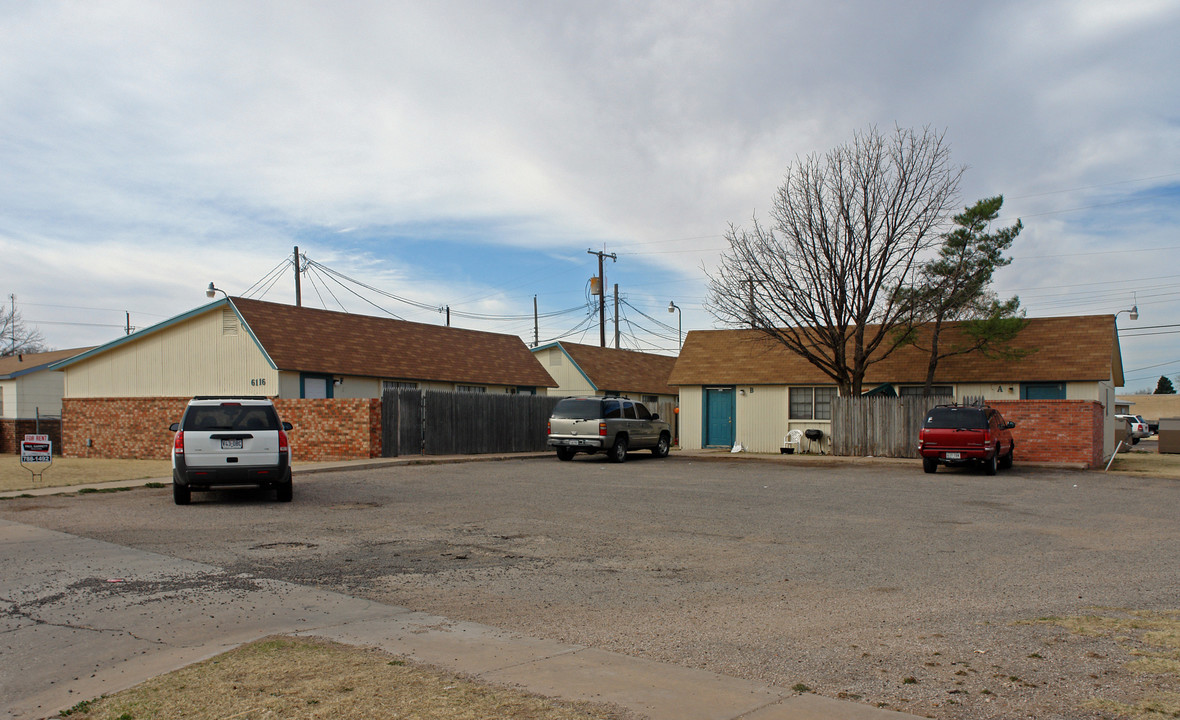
[[229, 322]]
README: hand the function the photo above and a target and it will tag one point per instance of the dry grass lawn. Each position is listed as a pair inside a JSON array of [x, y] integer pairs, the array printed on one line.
[[1147, 463], [65, 472], [302, 678], [1153, 640]]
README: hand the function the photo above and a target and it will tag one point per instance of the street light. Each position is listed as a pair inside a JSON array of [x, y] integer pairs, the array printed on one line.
[[1133, 313], [211, 291], [673, 307]]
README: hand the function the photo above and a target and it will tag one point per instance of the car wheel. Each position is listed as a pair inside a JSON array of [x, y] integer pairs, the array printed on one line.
[[929, 464], [989, 465], [1006, 461], [661, 448], [1134, 441], [618, 451], [181, 494], [565, 454], [285, 491]]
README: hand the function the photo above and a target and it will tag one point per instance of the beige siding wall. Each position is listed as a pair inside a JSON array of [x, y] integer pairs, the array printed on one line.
[[362, 388], [761, 420], [37, 392], [1153, 407], [193, 357], [1000, 391], [569, 379], [691, 397], [8, 399]]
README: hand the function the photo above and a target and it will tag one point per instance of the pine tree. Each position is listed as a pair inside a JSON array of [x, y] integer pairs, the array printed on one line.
[[1164, 386]]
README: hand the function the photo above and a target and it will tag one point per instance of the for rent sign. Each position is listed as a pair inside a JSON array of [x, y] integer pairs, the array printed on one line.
[[36, 449]]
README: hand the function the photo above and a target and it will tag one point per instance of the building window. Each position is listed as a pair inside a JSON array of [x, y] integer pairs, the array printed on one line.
[[555, 358], [651, 399], [811, 403], [510, 390], [315, 386], [1042, 391], [471, 388], [935, 391]]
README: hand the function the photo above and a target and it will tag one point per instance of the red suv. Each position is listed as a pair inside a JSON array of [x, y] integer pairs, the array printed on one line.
[[961, 434]]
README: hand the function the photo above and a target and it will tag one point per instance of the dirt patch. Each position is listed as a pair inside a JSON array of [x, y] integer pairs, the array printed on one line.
[[66, 472], [1146, 463], [301, 678]]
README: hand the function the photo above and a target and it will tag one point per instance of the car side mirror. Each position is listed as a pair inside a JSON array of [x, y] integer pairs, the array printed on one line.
[[174, 427], [1010, 425], [286, 425], [655, 416]]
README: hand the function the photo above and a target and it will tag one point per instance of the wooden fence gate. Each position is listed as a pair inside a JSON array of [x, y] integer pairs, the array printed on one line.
[[433, 422]]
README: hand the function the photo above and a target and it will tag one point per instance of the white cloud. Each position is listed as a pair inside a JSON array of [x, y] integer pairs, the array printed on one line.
[[150, 143]]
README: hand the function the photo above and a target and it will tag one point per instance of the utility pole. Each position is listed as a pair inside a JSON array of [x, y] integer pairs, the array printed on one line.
[[616, 316], [298, 292], [602, 294], [128, 328], [536, 324]]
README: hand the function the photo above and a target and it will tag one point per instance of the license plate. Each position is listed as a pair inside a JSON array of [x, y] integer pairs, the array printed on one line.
[[231, 443], [953, 456]]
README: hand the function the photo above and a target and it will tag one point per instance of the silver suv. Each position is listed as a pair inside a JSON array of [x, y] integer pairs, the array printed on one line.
[[230, 441], [613, 424]]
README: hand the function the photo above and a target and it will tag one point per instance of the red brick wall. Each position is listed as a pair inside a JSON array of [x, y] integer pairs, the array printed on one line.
[[13, 431], [1056, 430], [138, 427]]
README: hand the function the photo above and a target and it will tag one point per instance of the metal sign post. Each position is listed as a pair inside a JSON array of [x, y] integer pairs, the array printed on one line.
[[36, 455]]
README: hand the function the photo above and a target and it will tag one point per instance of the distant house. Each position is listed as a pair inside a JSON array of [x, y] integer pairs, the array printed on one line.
[[237, 346], [737, 387], [592, 370], [30, 396]]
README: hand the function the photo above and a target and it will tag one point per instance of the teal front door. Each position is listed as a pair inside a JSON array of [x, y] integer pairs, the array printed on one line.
[[719, 412]]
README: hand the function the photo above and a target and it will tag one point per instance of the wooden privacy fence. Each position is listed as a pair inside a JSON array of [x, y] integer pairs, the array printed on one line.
[[433, 422], [879, 426]]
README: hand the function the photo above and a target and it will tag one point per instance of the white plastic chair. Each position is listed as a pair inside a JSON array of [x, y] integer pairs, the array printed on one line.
[[792, 439]]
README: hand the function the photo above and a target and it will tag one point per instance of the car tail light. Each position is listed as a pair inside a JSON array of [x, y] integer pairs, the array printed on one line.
[[284, 447], [921, 436], [178, 443], [549, 427], [602, 429]]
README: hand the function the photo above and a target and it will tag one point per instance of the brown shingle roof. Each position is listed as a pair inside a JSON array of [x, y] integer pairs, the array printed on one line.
[[1065, 348], [321, 341], [623, 370], [20, 364]]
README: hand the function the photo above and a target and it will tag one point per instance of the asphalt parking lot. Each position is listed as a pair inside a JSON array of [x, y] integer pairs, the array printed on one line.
[[878, 584]]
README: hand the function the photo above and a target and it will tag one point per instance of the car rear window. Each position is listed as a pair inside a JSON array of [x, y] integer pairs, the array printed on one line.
[[230, 416], [578, 410], [953, 418]]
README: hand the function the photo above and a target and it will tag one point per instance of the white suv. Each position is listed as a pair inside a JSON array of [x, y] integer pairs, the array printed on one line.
[[1137, 427], [230, 441]]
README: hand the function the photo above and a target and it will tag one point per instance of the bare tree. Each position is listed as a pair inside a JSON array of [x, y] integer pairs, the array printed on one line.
[[15, 337], [845, 233]]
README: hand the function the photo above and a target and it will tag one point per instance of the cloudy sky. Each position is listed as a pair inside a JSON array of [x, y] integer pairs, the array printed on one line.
[[468, 154]]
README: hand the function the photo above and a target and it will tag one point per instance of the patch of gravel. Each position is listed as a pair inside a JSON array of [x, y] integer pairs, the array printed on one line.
[[875, 584]]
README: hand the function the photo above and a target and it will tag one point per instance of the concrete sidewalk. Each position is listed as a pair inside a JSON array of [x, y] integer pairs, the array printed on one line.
[[82, 617]]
